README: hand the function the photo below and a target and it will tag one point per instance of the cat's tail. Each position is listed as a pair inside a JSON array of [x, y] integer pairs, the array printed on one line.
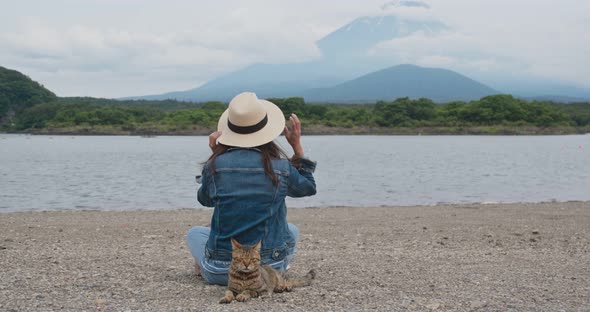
[[299, 281]]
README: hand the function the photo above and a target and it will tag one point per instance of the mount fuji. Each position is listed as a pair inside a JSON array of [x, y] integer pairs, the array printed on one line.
[[347, 71], [344, 57]]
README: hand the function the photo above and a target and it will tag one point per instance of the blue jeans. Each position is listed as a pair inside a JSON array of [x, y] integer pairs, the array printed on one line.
[[215, 272]]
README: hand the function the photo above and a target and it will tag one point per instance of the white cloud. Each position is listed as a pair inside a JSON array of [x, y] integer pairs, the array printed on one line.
[[548, 39], [416, 10], [449, 50], [146, 46], [37, 48], [542, 39]]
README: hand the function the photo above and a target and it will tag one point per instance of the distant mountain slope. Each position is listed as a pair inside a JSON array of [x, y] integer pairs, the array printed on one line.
[[267, 80], [357, 37], [412, 81], [440, 85], [18, 92], [344, 57], [270, 80]]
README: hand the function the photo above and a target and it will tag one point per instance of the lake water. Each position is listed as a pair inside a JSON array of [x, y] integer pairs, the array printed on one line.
[[123, 172]]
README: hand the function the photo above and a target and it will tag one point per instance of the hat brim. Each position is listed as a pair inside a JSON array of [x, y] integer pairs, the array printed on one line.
[[274, 127]]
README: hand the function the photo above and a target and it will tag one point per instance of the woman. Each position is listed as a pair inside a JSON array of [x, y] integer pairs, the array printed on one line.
[[247, 179]]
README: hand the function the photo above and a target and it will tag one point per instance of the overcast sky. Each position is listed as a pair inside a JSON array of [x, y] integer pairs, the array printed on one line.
[[115, 48]]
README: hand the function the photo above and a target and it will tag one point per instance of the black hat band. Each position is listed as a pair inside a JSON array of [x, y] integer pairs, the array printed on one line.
[[248, 129]]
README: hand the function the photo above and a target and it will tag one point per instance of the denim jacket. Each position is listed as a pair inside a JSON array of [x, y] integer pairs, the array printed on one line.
[[248, 207]]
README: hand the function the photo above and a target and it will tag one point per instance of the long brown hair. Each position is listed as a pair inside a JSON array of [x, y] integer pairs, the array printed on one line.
[[268, 151]]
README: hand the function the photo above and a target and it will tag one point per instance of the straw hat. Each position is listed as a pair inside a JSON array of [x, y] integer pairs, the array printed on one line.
[[249, 121]]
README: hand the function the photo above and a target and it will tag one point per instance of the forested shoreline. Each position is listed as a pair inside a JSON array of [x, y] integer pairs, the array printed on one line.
[[497, 114], [28, 107]]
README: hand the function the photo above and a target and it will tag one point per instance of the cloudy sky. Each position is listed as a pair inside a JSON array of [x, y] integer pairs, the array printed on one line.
[[115, 48]]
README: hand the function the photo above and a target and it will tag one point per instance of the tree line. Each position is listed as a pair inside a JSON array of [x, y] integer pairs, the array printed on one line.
[[406, 112], [496, 110]]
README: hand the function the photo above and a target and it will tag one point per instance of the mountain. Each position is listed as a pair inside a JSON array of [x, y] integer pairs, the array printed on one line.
[[344, 56], [267, 80], [411, 81], [18, 92], [539, 89], [348, 53], [356, 38]]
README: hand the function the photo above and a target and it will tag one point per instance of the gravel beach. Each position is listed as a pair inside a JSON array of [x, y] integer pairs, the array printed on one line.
[[505, 257]]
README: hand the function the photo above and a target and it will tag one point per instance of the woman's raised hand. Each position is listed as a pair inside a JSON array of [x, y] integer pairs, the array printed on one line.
[[293, 135], [213, 139]]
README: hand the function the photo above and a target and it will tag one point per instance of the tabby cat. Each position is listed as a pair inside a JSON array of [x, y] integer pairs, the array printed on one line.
[[248, 279]]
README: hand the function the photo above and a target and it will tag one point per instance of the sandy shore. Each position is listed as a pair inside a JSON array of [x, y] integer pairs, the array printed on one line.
[[513, 257]]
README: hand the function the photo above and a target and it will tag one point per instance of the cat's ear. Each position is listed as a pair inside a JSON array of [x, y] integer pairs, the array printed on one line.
[[258, 245], [235, 244]]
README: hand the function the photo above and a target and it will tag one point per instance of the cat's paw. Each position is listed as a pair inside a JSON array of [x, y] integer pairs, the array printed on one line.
[[242, 297], [225, 300], [282, 288], [228, 298]]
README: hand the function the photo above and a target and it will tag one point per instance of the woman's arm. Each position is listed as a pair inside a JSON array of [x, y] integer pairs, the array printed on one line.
[[293, 136], [301, 181], [203, 192]]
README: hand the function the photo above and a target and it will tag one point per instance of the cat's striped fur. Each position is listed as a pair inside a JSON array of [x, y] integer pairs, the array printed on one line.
[[248, 279]]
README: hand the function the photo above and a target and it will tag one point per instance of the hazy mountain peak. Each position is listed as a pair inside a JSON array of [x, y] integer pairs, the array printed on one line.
[[396, 19], [359, 36], [408, 4]]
